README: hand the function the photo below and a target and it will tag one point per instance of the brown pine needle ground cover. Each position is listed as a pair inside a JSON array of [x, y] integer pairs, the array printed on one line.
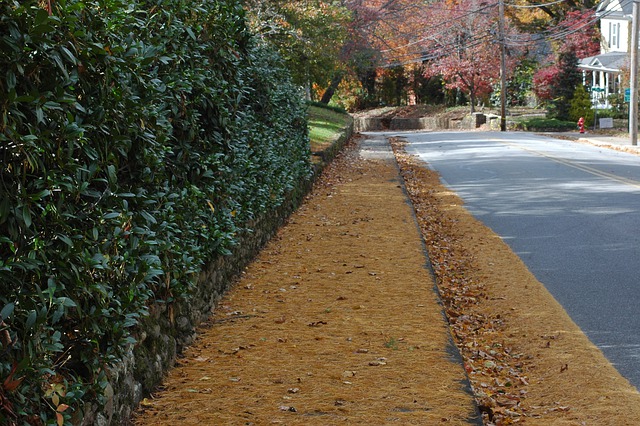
[[527, 361], [336, 322]]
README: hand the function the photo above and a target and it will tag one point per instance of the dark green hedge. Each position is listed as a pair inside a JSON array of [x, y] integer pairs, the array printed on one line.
[[136, 139], [547, 125], [334, 108]]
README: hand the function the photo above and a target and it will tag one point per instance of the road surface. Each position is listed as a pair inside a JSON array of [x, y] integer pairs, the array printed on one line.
[[570, 211]]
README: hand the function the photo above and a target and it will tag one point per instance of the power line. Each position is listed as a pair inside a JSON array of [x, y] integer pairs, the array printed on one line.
[[533, 6], [438, 52], [512, 40], [472, 12], [558, 35]]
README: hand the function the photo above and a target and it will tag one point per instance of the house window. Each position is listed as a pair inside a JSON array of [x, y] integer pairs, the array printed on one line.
[[614, 35]]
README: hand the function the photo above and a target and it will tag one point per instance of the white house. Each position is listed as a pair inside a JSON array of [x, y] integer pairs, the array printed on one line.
[[603, 72]]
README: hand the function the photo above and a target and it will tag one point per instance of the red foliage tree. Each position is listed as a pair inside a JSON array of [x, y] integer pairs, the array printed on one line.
[[464, 49], [543, 81], [582, 34], [380, 33], [579, 33]]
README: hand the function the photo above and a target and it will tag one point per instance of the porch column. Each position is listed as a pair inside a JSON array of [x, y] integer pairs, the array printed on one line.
[[619, 83]]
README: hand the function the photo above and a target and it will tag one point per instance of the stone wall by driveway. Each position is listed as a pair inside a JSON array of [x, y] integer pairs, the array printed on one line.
[[374, 124]]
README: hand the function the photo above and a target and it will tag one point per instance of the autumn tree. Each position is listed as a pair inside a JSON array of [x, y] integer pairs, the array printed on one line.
[[455, 40], [309, 34], [463, 49], [564, 84], [576, 35], [323, 40], [520, 85], [381, 36], [543, 81], [537, 16], [578, 32]]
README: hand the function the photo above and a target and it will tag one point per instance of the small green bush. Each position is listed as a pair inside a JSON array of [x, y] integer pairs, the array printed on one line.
[[619, 108], [137, 139], [608, 113]]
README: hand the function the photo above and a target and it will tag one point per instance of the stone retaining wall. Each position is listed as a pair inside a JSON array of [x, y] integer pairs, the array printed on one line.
[[376, 124], [170, 328]]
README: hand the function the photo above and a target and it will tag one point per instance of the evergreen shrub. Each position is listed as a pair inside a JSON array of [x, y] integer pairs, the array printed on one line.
[[580, 106], [136, 139], [547, 125]]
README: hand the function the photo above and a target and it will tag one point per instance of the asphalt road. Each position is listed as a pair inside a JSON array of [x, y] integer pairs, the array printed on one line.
[[570, 211]]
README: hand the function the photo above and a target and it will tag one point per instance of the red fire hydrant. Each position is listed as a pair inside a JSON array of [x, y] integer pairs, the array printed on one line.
[[581, 124]]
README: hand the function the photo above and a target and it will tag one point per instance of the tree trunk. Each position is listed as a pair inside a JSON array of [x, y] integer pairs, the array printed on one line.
[[367, 78], [472, 96], [548, 11], [333, 86]]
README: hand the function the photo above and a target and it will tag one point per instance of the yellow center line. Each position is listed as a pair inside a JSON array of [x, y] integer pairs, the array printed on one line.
[[591, 170]]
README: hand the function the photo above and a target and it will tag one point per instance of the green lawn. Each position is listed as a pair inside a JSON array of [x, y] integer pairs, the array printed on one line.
[[325, 126]]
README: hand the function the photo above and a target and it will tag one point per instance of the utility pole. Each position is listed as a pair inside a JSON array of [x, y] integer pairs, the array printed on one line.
[[633, 83], [503, 69]]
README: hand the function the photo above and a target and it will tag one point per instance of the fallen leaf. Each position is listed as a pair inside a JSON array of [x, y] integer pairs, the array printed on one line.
[[377, 362], [146, 403]]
